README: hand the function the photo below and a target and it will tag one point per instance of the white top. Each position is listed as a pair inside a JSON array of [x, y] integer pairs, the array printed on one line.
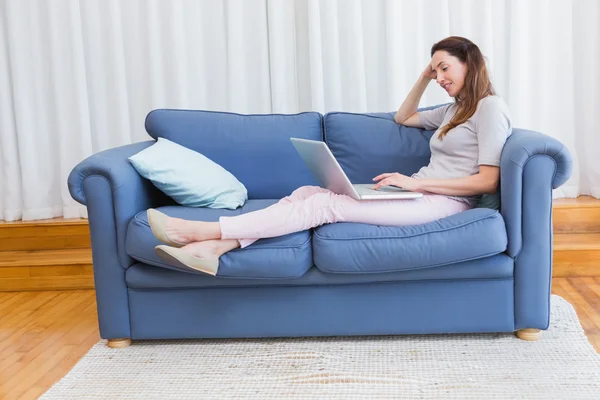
[[477, 141]]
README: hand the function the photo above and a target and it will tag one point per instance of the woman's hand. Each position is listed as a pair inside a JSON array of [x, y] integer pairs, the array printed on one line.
[[428, 73], [399, 180]]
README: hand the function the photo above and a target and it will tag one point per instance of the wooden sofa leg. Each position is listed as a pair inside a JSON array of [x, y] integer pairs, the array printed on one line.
[[529, 334], [119, 343]]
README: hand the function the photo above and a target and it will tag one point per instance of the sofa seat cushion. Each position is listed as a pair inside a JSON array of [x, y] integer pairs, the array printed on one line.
[[146, 277], [287, 256], [363, 248]]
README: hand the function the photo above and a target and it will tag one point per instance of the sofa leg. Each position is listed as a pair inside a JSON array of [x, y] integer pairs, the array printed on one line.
[[119, 343], [529, 334]]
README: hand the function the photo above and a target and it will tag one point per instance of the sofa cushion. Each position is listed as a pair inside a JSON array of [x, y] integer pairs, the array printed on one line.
[[364, 248], [256, 149], [367, 145], [286, 256], [498, 267]]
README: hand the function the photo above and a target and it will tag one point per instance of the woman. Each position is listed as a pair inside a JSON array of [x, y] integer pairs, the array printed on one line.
[[465, 160]]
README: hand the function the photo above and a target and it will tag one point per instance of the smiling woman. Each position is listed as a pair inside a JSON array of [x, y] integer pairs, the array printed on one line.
[[470, 133], [464, 165]]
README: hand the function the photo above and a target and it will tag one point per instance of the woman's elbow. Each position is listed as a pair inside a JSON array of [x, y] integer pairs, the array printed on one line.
[[489, 179], [491, 187]]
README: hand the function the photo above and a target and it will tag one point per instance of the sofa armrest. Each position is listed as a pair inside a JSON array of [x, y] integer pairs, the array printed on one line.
[[130, 192], [532, 164], [114, 193]]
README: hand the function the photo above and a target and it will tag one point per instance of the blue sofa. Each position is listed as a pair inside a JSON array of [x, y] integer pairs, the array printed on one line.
[[483, 270]]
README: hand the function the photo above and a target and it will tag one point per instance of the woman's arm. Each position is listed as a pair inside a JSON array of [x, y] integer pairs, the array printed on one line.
[[410, 104], [485, 182]]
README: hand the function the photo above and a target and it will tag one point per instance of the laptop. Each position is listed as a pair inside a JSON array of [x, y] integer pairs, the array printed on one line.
[[328, 173]]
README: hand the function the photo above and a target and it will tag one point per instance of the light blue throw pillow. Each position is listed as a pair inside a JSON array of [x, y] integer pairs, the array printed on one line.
[[188, 177]]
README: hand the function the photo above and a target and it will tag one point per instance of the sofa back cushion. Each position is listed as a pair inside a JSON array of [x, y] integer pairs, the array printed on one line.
[[367, 145], [256, 149]]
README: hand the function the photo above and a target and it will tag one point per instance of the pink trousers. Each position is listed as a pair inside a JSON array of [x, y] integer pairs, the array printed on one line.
[[311, 206]]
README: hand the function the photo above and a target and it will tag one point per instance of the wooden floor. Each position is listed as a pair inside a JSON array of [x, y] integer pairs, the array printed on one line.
[[44, 334]]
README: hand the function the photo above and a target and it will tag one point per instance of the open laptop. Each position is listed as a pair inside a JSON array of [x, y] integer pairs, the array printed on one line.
[[328, 173]]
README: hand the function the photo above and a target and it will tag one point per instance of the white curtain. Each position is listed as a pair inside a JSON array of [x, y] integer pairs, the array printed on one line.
[[79, 76]]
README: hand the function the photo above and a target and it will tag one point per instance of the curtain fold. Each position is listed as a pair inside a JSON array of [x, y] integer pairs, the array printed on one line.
[[78, 77]]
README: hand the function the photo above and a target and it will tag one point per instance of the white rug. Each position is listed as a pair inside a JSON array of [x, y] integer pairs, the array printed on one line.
[[561, 365]]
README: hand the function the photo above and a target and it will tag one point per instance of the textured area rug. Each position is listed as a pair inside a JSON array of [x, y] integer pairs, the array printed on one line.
[[561, 365]]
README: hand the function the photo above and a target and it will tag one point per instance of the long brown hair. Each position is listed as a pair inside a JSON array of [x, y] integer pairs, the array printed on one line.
[[477, 81]]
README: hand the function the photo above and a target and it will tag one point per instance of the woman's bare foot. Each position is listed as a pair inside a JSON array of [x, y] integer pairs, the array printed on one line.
[[184, 231], [209, 249]]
